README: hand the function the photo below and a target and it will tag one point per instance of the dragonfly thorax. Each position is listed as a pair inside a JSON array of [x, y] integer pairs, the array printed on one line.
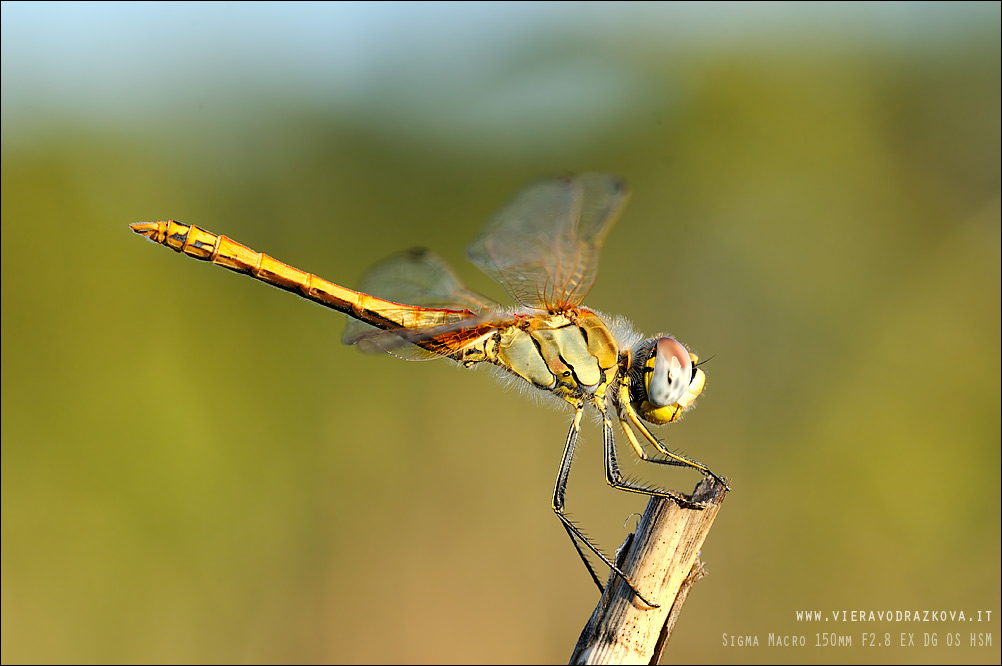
[[572, 354], [664, 379]]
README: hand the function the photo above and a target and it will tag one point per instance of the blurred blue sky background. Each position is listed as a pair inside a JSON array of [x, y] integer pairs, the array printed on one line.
[[457, 71]]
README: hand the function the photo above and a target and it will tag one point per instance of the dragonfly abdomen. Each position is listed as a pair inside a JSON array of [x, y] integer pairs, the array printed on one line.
[[226, 252]]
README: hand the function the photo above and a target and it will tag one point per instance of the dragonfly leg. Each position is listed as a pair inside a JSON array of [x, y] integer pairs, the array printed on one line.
[[573, 531], [671, 458], [615, 478]]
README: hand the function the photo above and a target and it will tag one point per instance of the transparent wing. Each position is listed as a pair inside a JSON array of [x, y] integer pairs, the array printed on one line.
[[543, 246], [421, 343], [445, 315]]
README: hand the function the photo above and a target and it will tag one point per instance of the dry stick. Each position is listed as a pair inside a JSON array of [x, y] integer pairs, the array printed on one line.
[[662, 561]]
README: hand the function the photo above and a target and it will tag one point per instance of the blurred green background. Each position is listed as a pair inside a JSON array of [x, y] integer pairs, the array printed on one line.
[[195, 469]]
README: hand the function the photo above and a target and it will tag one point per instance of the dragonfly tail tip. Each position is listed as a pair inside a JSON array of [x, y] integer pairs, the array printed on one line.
[[151, 230]]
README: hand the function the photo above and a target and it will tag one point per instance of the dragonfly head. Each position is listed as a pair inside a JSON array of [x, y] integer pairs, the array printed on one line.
[[671, 381]]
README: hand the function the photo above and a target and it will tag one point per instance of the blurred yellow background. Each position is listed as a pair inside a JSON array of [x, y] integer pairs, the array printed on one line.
[[195, 469]]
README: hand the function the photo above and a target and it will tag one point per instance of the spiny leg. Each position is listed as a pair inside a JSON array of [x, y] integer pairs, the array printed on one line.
[[560, 490], [575, 533], [671, 458], [615, 477]]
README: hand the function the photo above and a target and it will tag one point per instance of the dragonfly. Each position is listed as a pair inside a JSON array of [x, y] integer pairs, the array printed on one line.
[[543, 249]]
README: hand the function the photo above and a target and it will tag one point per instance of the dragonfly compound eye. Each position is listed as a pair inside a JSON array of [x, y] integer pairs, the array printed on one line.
[[672, 373]]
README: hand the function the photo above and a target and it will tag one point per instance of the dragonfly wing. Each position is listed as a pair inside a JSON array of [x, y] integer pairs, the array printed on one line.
[[433, 341], [543, 246], [437, 305]]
